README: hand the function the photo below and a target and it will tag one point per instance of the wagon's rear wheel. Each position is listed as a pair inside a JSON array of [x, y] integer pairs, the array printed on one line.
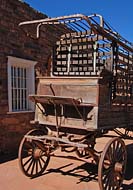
[[129, 133], [112, 165], [84, 152], [32, 159]]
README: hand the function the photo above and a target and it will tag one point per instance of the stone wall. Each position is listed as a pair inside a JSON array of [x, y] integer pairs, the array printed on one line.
[[20, 42]]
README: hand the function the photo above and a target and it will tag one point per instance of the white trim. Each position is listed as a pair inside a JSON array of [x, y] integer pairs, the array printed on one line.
[[15, 61], [9, 89], [22, 63], [17, 112]]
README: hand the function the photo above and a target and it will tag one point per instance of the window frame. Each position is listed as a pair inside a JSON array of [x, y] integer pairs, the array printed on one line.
[[29, 66]]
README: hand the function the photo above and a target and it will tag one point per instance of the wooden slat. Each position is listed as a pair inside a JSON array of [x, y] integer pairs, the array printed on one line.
[[88, 57], [121, 69], [81, 40], [104, 45], [123, 61], [121, 76], [122, 55], [74, 47], [53, 99], [121, 83], [76, 34], [103, 54], [76, 51], [75, 58]]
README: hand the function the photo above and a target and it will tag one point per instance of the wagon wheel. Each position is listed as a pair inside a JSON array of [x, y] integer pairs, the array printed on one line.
[[129, 133], [32, 159], [112, 165], [81, 152]]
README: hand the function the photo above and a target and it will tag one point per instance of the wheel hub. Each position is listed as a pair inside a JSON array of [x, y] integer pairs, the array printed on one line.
[[118, 167], [37, 153]]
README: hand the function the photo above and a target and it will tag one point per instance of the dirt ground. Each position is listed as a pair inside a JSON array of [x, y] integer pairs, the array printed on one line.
[[64, 173]]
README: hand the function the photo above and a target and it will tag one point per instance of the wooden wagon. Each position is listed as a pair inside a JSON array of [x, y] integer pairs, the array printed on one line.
[[88, 93]]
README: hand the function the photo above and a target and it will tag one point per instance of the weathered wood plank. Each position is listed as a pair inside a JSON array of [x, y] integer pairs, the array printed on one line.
[[122, 55], [80, 40]]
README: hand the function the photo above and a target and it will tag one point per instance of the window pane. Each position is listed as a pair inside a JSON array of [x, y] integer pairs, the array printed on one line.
[[19, 88], [19, 85]]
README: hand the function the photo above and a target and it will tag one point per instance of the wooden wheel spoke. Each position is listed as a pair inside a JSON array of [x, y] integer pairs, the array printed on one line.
[[112, 187], [114, 151], [109, 155], [117, 182], [106, 176], [29, 165], [43, 154], [117, 145], [120, 154], [108, 181], [42, 159], [36, 166], [117, 177], [28, 161], [106, 171], [118, 151], [40, 163], [33, 166]]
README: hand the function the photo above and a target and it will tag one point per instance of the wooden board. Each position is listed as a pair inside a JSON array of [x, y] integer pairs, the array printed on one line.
[[45, 99]]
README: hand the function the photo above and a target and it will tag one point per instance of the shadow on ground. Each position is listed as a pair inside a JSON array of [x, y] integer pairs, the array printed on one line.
[[92, 170], [129, 168], [87, 171], [7, 157], [78, 172]]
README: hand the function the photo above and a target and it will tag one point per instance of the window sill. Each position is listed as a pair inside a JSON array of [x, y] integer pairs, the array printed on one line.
[[20, 112]]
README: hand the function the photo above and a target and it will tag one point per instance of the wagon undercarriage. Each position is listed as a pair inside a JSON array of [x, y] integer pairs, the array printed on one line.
[[36, 149], [39, 145]]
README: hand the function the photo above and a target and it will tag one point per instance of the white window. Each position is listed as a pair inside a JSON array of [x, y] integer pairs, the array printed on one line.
[[21, 83]]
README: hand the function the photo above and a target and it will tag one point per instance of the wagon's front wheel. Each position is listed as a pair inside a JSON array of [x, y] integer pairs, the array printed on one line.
[[32, 159], [112, 165]]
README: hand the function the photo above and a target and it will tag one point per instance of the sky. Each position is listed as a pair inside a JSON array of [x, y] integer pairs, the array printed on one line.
[[118, 13]]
